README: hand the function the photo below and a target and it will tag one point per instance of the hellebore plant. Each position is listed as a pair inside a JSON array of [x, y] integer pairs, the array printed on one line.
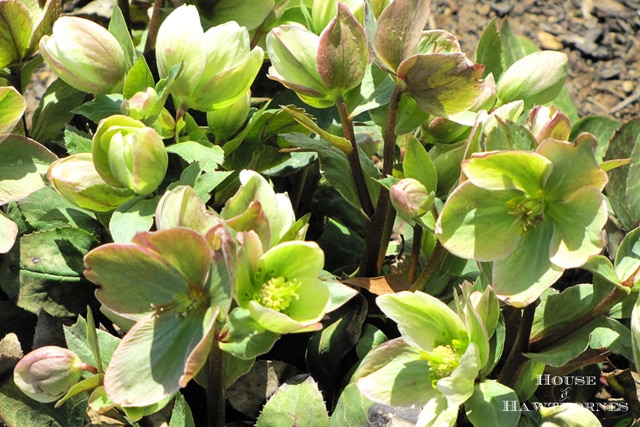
[[531, 214], [423, 252]]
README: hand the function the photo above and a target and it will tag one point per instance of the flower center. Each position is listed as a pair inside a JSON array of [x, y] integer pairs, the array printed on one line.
[[529, 211], [277, 293], [442, 360]]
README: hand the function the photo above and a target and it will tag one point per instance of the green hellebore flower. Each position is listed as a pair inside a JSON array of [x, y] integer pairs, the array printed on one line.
[[533, 214], [128, 154], [220, 65], [320, 69], [47, 373], [548, 122], [76, 179], [436, 346], [411, 199], [85, 55], [281, 287]]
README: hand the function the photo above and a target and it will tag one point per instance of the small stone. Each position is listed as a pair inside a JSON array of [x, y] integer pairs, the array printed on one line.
[[628, 86], [548, 41]]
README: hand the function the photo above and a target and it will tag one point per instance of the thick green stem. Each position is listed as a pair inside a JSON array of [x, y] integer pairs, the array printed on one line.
[[216, 401], [379, 231], [516, 361], [354, 159], [433, 264], [540, 343]]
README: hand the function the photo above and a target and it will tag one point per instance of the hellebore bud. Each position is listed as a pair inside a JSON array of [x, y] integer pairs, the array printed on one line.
[[85, 55], [225, 122], [128, 154], [76, 179], [536, 79], [47, 373], [411, 199], [549, 122]]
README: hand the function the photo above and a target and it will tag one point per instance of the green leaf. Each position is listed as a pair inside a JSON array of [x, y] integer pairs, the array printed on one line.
[[181, 414], [352, 408], [622, 188], [327, 349], [12, 106], [46, 209], [249, 15], [138, 79], [209, 156], [132, 217], [101, 107], [76, 338], [55, 111], [507, 135], [23, 162], [18, 410], [442, 83], [603, 268], [44, 271], [15, 32], [486, 406], [118, 27], [295, 404], [76, 142], [159, 373], [418, 165], [489, 51]]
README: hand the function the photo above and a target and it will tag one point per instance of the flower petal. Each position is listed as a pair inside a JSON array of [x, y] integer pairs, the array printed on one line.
[[578, 222], [524, 275], [506, 170], [476, 224], [458, 387], [312, 302], [423, 320], [279, 323], [292, 260], [394, 374]]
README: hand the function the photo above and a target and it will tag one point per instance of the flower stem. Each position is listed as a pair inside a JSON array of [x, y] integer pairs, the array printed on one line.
[[435, 260], [215, 388], [354, 158], [381, 225], [516, 361], [154, 25], [415, 252]]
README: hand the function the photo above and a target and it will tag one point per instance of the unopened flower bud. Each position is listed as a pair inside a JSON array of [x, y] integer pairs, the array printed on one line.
[[76, 179], [128, 154], [549, 122], [536, 79], [411, 199], [139, 105], [225, 122], [85, 55], [47, 373]]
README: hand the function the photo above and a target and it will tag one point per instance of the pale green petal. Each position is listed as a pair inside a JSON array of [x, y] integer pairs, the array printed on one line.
[[574, 166], [226, 45], [578, 223], [524, 275], [180, 39], [423, 320], [312, 302], [394, 374], [280, 323], [506, 170], [437, 413], [476, 224], [291, 260]]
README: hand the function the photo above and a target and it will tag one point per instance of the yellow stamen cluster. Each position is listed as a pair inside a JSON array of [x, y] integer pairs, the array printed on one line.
[[277, 293], [528, 210], [442, 360]]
